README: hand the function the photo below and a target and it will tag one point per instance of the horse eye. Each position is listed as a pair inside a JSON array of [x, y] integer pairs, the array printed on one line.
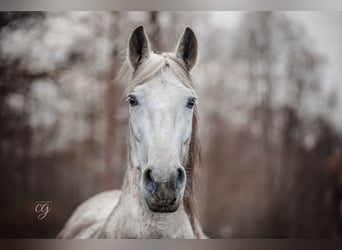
[[191, 102], [132, 100]]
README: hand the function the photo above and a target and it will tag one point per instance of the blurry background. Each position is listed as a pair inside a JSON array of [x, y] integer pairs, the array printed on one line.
[[270, 103]]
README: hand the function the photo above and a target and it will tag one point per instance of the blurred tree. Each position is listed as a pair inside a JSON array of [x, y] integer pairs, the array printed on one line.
[[281, 73], [154, 27], [277, 56]]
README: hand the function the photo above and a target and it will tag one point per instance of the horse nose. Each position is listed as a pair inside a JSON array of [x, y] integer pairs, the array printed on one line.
[[157, 181]]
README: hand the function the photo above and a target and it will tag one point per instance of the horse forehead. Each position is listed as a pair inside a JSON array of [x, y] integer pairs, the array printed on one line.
[[164, 86]]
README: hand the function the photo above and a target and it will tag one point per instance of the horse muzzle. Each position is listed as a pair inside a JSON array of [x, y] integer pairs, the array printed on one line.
[[163, 196]]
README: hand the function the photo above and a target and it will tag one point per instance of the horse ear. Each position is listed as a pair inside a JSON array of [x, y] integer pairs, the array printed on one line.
[[187, 48], [138, 46]]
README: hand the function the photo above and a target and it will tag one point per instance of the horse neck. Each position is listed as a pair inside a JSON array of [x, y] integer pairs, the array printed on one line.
[[131, 183]]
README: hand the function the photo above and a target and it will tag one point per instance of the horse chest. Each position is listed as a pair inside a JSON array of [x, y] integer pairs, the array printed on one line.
[[137, 223]]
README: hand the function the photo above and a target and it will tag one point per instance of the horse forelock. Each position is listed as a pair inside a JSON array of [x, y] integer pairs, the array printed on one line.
[[153, 66]]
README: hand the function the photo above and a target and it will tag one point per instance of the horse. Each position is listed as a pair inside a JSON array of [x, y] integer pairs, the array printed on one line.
[[157, 199]]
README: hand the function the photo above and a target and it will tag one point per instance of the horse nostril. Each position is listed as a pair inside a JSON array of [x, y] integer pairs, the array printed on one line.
[[180, 177], [173, 201], [148, 180]]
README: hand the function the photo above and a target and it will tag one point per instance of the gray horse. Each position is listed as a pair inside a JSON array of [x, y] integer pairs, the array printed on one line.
[[157, 197]]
